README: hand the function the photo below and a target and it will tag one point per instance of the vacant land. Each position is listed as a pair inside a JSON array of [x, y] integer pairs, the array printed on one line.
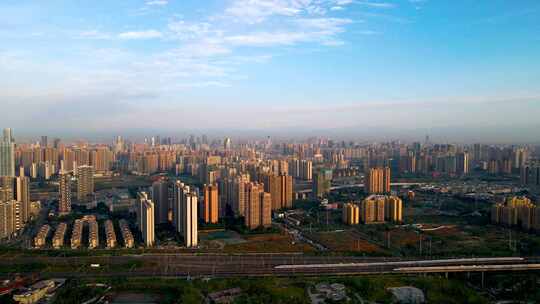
[[346, 241], [268, 243]]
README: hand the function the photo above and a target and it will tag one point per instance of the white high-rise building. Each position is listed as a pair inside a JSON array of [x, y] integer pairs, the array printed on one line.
[[185, 214], [145, 219]]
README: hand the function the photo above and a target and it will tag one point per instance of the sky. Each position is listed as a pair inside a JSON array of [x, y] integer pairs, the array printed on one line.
[[392, 67]]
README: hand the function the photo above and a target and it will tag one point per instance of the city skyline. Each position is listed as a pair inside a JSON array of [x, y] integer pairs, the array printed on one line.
[[374, 68]]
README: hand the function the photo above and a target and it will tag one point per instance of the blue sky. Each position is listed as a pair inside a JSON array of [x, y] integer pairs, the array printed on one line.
[[304, 64]]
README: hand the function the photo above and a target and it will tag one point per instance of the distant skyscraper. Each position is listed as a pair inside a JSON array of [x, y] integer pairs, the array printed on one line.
[[145, 218], [7, 154], [44, 141], [211, 204], [64, 201], [56, 143], [227, 144], [8, 135], [119, 144], [377, 181], [85, 183], [462, 163]]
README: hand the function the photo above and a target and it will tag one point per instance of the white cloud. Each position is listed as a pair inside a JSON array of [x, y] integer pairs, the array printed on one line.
[[134, 35], [94, 34], [256, 11], [377, 4], [157, 2], [267, 38], [184, 30]]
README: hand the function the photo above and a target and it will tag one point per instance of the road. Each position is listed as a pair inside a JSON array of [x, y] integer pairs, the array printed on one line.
[[361, 186], [184, 265]]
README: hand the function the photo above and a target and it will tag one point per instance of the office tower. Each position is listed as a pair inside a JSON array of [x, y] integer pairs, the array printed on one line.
[[185, 210], [306, 170], [7, 154], [351, 214], [44, 142], [281, 189], [145, 218], [377, 181], [85, 183], [211, 204], [160, 197], [321, 184], [64, 201], [10, 221], [23, 196]]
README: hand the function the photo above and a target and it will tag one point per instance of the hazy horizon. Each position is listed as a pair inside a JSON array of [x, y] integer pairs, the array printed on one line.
[[459, 71]]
